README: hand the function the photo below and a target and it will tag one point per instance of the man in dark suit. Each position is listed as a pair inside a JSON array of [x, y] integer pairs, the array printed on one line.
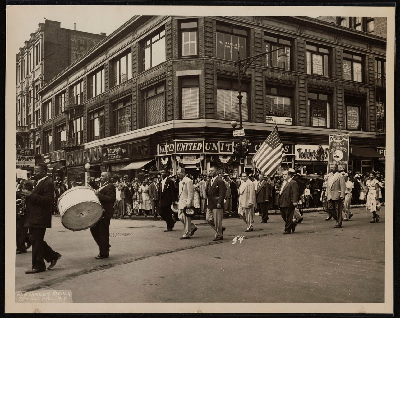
[[101, 230], [39, 206], [235, 196], [215, 190], [167, 196], [262, 197], [287, 200]]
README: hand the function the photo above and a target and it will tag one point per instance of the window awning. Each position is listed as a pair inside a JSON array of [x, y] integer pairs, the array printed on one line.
[[367, 152], [136, 165]]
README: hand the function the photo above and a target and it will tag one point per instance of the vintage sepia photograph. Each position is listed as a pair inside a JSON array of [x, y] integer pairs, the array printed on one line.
[[185, 160]]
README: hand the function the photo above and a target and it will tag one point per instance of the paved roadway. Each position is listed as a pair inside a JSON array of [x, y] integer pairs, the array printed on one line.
[[315, 264]]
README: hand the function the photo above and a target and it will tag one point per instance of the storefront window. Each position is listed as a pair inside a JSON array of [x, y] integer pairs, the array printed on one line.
[[319, 110], [317, 60], [227, 101], [272, 59], [153, 105], [96, 125], [153, 50], [190, 97], [122, 112], [230, 42]]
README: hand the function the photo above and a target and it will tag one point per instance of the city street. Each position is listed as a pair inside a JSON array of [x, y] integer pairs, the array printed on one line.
[[316, 264]]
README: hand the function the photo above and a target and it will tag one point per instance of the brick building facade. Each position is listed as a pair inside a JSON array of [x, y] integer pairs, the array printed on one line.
[[162, 90], [49, 50]]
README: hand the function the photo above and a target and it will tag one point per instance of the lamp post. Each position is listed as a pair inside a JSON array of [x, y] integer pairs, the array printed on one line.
[[241, 148]]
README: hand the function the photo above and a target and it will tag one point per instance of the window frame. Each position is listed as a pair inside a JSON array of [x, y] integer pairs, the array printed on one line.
[[75, 95], [117, 64], [312, 102], [115, 113], [232, 30], [90, 136], [380, 78], [59, 110], [184, 30], [269, 42], [184, 83], [93, 84], [145, 97], [143, 47], [46, 142], [77, 137], [47, 111], [57, 135], [318, 52], [350, 57]]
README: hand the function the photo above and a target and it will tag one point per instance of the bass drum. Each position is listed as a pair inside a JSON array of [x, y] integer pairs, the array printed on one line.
[[79, 208]]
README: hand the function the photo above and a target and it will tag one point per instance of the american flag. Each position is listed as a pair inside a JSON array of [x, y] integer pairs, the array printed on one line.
[[269, 155]]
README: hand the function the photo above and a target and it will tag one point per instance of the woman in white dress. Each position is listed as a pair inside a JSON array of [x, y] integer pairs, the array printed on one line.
[[372, 186], [145, 200], [196, 195]]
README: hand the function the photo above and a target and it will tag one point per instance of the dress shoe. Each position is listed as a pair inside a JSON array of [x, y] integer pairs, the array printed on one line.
[[286, 232], [193, 231], [345, 219], [185, 237], [218, 238], [300, 220], [101, 257], [168, 230], [20, 251], [249, 230], [328, 218], [338, 226], [351, 214], [54, 261], [34, 271]]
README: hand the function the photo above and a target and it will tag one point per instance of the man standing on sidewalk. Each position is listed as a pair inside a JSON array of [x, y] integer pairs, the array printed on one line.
[[287, 200], [185, 201], [39, 207], [216, 189], [335, 192], [262, 196], [167, 196]]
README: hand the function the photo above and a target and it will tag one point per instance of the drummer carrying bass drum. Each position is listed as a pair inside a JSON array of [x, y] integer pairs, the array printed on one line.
[[101, 231]]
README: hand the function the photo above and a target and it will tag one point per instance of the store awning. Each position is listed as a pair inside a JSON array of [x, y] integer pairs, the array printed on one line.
[[136, 165], [366, 152]]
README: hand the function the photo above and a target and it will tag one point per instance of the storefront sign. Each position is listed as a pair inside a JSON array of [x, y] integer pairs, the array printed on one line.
[[190, 159], [309, 152], [116, 153], [225, 147], [353, 118], [339, 151], [83, 156], [138, 150], [278, 120], [25, 158], [211, 147], [381, 151], [58, 155], [166, 148], [192, 146]]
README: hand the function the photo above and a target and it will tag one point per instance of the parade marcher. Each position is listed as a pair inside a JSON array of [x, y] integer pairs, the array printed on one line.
[[234, 195], [101, 230], [38, 215], [203, 194], [372, 186], [247, 200], [185, 201], [145, 198], [347, 214], [215, 203], [263, 193], [167, 196], [335, 192], [287, 200], [153, 194], [196, 196], [23, 242], [228, 195], [126, 188]]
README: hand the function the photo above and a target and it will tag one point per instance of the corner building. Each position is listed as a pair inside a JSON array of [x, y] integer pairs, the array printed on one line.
[[162, 91]]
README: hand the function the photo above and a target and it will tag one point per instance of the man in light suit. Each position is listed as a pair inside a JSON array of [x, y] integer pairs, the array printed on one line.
[[247, 200], [185, 200], [262, 197], [215, 190], [335, 193], [287, 200]]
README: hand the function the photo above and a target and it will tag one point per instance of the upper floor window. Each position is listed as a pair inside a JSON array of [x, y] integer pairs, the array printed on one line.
[[76, 129], [319, 107], [153, 50], [96, 125], [77, 93], [38, 55], [190, 97], [357, 23], [46, 111], [317, 60], [60, 103], [276, 46], [47, 138], [18, 72], [122, 115], [380, 72], [352, 67], [344, 21], [122, 69], [37, 118], [60, 136], [370, 22], [227, 101], [188, 37], [153, 105], [278, 103], [231, 42], [96, 83]]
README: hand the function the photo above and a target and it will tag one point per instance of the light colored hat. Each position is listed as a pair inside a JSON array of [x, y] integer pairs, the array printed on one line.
[[291, 170]]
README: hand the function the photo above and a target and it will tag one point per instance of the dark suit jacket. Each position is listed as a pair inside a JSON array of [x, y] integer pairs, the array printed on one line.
[[39, 205], [169, 194], [216, 193], [289, 195], [263, 192], [107, 196], [234, 190]]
